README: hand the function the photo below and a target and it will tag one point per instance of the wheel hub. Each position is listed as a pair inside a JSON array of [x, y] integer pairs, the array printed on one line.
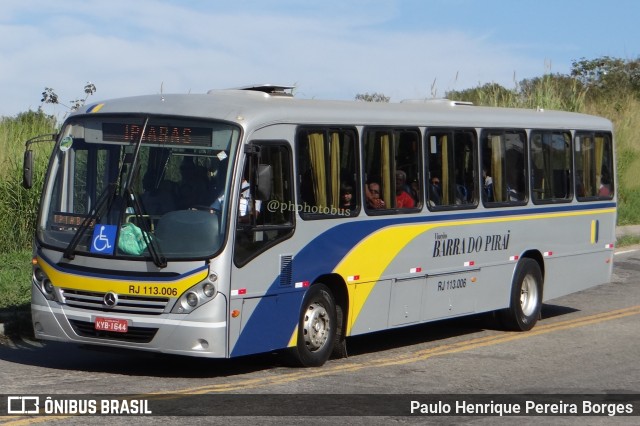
[[529, 295], [316, 327]]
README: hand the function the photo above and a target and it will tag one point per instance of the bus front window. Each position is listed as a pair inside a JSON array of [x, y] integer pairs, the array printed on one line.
[[120, 187]]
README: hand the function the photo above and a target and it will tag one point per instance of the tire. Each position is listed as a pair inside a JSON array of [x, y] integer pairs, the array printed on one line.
[[340, 345], [526, 297], [317, 327]]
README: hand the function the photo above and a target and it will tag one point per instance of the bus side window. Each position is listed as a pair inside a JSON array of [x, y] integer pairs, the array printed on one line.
[[275, 216], [327, 160], [392, 166], [503, 158], [552, 161], [451, 168], [594, 162]]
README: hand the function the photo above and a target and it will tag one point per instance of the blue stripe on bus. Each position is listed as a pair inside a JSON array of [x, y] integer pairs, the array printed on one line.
[[273, 327]]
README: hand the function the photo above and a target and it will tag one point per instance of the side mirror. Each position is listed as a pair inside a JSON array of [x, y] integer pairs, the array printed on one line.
[[27, 169], [27, 164]]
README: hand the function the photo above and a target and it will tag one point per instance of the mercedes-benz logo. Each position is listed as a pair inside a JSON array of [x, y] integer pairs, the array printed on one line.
[[110, 299]]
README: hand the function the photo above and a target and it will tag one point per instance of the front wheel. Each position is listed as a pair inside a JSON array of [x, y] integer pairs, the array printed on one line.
[[316, 328], [526, 297]]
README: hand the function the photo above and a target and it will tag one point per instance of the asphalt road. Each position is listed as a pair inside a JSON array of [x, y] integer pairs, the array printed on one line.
[[585, 343]]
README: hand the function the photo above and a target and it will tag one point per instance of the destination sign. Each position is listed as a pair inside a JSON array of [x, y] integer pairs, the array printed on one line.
[[157, 134]]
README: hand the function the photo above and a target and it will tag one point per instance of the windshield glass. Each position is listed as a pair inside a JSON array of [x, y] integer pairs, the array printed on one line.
[[139, 186]]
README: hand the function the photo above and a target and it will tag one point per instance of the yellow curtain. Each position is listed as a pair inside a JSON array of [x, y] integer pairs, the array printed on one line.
[[588, 173], [316, 152], [599, 154], [385, 169], [335, 169], [444, 179], [496, 168]]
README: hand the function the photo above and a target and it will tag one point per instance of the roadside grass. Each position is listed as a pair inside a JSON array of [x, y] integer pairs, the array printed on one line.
[[628, 240], [15, 280]]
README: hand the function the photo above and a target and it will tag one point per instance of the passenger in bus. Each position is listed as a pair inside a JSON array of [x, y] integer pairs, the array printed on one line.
[[160, 200], [415, 190], [605, 185], [403, 199], [372, 193], [347, 202], [193, 187], [462, 196], [435, 192], [487, 185], [245, 206], [513, 194]]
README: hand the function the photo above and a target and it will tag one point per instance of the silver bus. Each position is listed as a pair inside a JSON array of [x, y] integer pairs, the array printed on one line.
[[244, 221]]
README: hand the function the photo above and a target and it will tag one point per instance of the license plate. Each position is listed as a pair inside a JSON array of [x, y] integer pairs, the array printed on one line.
[[112, 324]]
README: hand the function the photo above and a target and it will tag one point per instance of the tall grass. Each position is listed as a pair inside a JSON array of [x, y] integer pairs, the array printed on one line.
[[556, 92], [625, 115], [547, 92], [18, 206], [15, 281]]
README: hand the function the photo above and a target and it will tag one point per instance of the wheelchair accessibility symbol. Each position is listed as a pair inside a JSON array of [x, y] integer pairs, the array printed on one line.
[[103, 240]]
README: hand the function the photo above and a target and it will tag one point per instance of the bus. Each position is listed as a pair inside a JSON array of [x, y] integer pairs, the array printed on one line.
[[245, 221]]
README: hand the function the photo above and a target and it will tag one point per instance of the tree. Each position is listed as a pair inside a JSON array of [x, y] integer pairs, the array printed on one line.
[[49, 96], [374, 97], [607, 77]]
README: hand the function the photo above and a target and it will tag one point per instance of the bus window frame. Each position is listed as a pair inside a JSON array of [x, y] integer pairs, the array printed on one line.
[[244, 162], [326, 129], [527, 179], [613, 183], [571, 179], [420, 167], [473, 204]]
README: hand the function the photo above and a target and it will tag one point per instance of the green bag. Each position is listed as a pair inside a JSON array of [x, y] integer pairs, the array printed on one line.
[[132, 240]]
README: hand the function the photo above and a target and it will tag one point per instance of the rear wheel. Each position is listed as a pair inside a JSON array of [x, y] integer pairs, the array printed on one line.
[[316, 328], [526, 297]]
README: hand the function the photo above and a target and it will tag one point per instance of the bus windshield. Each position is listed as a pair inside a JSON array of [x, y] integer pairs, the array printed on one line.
[[148, 187]]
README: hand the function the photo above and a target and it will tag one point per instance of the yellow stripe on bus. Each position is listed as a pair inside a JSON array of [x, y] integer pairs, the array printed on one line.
[[125, 286], [366, 262]]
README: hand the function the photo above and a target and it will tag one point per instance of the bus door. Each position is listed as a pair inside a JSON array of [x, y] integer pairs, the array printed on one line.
[[264, 220]]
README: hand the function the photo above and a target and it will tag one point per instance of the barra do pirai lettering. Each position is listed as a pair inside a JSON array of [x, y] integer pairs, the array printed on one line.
[[445, 246]]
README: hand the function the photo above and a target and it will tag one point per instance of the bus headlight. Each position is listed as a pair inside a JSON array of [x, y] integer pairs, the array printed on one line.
[[192, 299], [197, 295], [209, 289], [44, 283], [48, 286]]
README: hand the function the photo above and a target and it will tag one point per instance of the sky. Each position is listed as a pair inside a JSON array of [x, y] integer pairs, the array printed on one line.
[[327, 49]]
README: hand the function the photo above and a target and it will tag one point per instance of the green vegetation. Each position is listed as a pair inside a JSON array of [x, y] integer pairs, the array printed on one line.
[[15, 279], [605, 86], [628, 240], [18, 206]]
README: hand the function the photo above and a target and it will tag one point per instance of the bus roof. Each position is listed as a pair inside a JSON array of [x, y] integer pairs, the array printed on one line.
[[254, 107]]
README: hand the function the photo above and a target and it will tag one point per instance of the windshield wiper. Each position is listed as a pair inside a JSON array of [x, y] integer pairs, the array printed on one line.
[[158, 259], [109, 194], [105, 199]]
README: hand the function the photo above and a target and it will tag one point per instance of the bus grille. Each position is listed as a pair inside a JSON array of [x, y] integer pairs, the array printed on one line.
[[126, 304], [134, 334]]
